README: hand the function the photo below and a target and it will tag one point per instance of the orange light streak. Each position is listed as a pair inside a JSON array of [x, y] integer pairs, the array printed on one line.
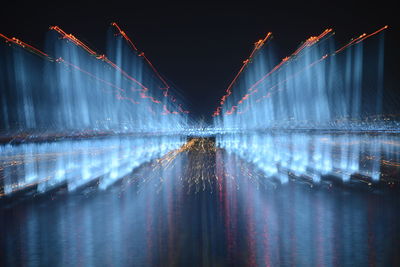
[[312, 40], [360, 38], [6, 38], [350, 43], [374, 33], [125, 36], [26, 46], [257, 45], [157, 74], [74, 40], [141, 54]]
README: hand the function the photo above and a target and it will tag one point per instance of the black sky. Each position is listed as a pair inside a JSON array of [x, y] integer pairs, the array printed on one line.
[[200, 47]]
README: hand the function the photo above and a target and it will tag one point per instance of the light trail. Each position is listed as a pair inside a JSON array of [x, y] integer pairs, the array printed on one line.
[[361, 38], [257, 45], [141, 54], [151, 65], [350, 43], [27, 47], [124, 35], [374, 33]]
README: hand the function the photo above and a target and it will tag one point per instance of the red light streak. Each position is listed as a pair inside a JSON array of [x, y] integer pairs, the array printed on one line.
[[79, 43], [6, 38], [312, 40], [143, 95], [374, 33], [350, 43], [141, 54], [125, 36], [74, 40], [26, 46], [166, 111], [360, 38], [257, 45], [120, 97]]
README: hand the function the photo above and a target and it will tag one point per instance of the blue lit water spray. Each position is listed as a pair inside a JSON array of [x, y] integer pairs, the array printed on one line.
[[78, 116], [302, 116]]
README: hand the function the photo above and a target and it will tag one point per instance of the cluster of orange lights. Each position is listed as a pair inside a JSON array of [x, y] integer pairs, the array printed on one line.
[[308, 43], [74, 40], [26, 46], [124, 35]]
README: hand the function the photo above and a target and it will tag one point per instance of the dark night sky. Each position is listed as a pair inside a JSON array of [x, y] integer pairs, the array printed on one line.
[[199, 48]]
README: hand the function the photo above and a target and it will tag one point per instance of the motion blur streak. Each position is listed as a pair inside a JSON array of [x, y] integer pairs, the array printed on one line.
[[100, 163]]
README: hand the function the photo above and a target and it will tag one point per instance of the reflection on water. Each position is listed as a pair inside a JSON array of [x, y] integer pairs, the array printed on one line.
[[77, 162], [204, 206], [307, 226], [314, 155]]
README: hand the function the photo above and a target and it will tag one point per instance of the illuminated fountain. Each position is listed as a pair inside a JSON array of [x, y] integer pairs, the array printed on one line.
[[308, 115], [63, 113], [72, 116], [319, 86], [78, 89]]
